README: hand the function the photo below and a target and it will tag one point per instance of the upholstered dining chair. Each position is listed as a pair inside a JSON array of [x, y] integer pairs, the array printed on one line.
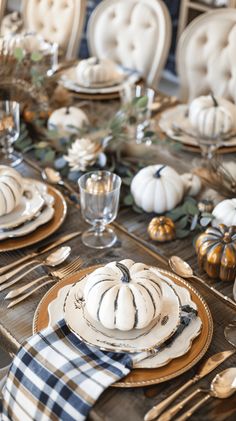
[[2, 8], [59, 21], [206, 56], [133, 33]]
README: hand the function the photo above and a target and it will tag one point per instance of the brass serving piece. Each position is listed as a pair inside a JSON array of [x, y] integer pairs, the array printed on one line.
[[161, 229], [216, 251]]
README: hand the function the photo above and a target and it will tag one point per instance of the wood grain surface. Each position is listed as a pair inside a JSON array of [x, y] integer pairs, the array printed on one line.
[[129, 404]]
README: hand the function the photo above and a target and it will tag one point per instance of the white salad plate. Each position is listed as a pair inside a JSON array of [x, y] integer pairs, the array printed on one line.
[[69, 81], [177, 348], [177, 117], [31, 203], [44, 214], [136, 340]]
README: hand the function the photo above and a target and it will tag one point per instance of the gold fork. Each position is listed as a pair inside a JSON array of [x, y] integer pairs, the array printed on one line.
[[57, 275]]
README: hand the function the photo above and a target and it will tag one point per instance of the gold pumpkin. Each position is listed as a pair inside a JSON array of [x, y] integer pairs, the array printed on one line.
[[161, 229], [216, 250], [97, 185]]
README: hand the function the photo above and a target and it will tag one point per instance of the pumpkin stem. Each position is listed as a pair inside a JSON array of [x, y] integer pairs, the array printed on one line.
[[215, 103], [125, 272], [158, 172], [67, 110]]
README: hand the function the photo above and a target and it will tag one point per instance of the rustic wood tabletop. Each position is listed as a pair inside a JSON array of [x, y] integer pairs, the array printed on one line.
[[131, 404]]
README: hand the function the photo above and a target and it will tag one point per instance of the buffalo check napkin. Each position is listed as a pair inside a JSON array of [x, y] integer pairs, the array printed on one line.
[[55, 376]]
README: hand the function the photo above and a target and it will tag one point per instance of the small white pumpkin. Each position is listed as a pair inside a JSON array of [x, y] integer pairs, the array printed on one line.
[[123, 295], [192, 183], [11, 189], [225, 212], [67, 120], [212, 116], [94, 71], [157, 188]]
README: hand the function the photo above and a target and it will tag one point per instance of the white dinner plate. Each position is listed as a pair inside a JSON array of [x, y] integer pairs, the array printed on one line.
[[70, 82], [136, 340], [178, 116], [177, 348], [42, 217], [30, 204]]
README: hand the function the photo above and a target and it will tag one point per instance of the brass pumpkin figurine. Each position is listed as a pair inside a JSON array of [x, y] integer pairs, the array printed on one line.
[[97, 185], [161, 229], [216, 250]]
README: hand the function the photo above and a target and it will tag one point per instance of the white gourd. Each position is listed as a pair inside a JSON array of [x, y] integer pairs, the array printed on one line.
[[212, 116], [192, 183], [93, 71], [157, 188], [123, 295], [67, 120], [225, 212], [11, 189]]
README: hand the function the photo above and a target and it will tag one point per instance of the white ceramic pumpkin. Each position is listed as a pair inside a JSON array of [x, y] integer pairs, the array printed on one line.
[[11, 189], [94, 71], [225, 212], [192, 183], [212, 116], [157, 188], [67, 120], [123, 295]]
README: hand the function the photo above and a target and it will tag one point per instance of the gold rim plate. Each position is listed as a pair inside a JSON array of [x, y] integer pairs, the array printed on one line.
[[144, 377], [43, 231]]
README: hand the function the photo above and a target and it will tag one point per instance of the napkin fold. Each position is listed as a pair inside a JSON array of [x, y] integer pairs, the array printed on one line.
[[56, 376]]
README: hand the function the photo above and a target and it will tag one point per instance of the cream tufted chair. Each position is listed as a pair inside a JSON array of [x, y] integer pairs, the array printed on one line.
[[206, 56], [133, 33], [59, 21]]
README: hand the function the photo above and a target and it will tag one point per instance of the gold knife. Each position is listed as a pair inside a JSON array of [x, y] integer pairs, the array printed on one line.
[[207, 367], [40, 250]]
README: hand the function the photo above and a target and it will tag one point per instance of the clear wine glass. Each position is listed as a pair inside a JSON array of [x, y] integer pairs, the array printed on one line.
[[209, 147], [137, 101], [9, 132], [99, 199]]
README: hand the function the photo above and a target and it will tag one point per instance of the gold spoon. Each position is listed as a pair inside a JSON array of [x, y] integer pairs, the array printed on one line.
[[54, 177], [222, 386], [183, 269]]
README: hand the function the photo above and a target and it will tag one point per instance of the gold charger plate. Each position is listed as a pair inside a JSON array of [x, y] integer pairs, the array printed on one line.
[[43, 231], [144, 377]]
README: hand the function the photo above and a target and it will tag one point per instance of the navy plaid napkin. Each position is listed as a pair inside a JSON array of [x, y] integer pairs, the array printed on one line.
[[57, 376]]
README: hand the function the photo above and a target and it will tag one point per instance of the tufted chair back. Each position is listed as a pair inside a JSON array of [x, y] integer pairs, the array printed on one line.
[[59, 21], [133, 33], [206, 56], [2, 8]]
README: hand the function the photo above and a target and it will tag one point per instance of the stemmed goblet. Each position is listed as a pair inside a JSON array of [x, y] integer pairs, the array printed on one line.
[[99, 199], [9, 132]]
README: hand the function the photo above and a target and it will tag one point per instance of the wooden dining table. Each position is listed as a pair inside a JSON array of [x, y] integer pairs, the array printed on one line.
[[133, 242]]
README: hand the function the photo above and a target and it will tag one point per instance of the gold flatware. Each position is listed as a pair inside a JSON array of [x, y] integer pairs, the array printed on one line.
[[38, 252], [64, 271], [183, 269], [55, 258], [222, 386], [57, 275], [207, 367]]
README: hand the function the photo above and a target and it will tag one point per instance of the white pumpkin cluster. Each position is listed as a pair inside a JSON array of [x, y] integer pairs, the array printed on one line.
[[123, 295], [94, 71], [225, 212], [11, 189], [212, 116], [67, 120]]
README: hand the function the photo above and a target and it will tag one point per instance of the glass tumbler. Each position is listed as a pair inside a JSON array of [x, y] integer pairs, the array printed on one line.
[[99, 199]]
